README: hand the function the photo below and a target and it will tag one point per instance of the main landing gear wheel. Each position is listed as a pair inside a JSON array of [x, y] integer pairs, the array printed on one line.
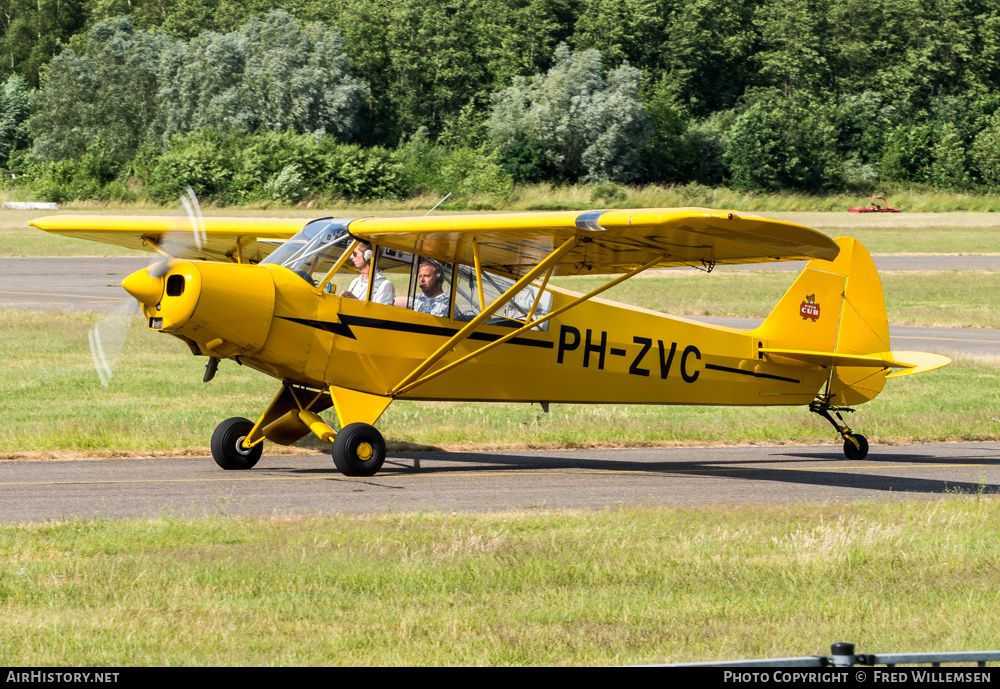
[[227, 450], [852, 452], [358, 450]]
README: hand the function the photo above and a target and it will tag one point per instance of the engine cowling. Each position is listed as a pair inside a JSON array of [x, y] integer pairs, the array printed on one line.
[[225, 309]]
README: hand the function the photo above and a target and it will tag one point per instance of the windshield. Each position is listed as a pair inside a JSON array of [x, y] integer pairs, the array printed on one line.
[[314, 249]]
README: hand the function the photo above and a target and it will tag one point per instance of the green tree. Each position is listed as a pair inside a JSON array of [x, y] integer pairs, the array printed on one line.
[[708, 52], [108, 92], [33, 31], [863, 120], [664, 160], [784, 143], [271, 74], [635, 31], [590, 127], [15, 106], [792, 54], [702, 155]]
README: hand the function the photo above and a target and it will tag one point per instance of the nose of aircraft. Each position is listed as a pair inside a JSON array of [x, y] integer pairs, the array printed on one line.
[[144, 287], [222, 308]]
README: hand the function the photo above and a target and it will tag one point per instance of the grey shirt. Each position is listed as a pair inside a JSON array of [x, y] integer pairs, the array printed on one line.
[[435, 306]]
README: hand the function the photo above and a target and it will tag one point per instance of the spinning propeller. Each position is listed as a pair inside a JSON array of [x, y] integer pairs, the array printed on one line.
[[107, 338]]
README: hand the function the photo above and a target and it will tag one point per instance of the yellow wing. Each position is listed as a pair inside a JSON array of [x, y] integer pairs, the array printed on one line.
[[612, 241], [226, 238]]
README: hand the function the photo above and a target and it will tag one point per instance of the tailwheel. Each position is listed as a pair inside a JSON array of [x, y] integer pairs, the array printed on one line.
[[358, 450], [855, 445], [227, 445], [859, 451]]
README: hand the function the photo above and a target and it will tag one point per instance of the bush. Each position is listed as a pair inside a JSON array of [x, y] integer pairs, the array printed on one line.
[[470, 172], [62, 181], [985, 153], [261, 159], [664, 161], [908, 154], [360, 174], [422, 162], [612, 194], [287, 185], [198, 161], [703, 150], [524, 160], [950, 169]]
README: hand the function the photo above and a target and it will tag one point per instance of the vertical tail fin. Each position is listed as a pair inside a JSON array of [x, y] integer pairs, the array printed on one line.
[[835, 306]]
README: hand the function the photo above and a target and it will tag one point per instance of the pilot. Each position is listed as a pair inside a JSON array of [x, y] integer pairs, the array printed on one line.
[[432, 298], [383, 291]]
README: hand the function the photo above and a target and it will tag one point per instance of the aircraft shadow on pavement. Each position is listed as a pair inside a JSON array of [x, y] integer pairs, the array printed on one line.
[[722, 468]]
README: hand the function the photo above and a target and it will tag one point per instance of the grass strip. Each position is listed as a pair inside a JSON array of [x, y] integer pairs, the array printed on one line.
[[629, 585]]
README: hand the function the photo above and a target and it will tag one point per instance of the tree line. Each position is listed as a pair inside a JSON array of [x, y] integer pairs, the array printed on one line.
[[362, 98]]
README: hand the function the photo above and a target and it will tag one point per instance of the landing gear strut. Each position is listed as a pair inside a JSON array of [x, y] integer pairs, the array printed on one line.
[[855, 445]]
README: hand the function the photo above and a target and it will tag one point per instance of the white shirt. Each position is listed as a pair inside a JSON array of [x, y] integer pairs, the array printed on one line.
[[383, 291]]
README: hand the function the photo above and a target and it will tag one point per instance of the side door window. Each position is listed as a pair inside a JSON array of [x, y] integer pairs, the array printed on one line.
[[514, 313]]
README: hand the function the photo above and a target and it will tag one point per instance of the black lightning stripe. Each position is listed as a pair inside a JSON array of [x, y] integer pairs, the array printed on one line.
[[726, 369], [335, 328], [347, 322]]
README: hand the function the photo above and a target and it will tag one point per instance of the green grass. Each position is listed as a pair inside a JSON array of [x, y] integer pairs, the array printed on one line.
[[51, 402], [611, 587], [548, 196], [944, 233]]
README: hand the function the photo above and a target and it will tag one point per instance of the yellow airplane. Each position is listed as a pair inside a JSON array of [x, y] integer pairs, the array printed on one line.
[[462, 308]]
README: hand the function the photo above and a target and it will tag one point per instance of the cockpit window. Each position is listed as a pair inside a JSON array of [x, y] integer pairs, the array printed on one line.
[[513, 313], [313, 250]]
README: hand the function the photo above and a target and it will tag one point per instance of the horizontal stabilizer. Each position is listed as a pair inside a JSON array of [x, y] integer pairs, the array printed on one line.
[[910, 362], [921, 362]]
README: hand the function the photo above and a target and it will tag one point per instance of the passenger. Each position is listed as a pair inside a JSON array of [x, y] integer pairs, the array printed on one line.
[[383, 291], [432, 299]]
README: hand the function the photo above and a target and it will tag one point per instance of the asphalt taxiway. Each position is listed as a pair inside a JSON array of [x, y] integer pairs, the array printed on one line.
[[491, 481]]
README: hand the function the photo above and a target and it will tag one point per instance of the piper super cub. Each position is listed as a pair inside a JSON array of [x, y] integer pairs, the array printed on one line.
[[461, 308]]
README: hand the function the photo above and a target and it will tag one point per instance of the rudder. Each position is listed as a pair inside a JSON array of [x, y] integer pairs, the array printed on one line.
[[835, 306]]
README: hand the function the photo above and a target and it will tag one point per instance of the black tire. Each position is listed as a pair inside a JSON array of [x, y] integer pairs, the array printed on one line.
[[852, 452], [358, 450], [225, 451]]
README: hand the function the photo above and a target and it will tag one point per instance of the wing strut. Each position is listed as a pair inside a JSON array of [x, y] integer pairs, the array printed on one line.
[[404, 387], [487, 313]]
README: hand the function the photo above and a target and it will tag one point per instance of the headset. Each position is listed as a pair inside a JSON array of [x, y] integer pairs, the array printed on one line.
[[367, 253]]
